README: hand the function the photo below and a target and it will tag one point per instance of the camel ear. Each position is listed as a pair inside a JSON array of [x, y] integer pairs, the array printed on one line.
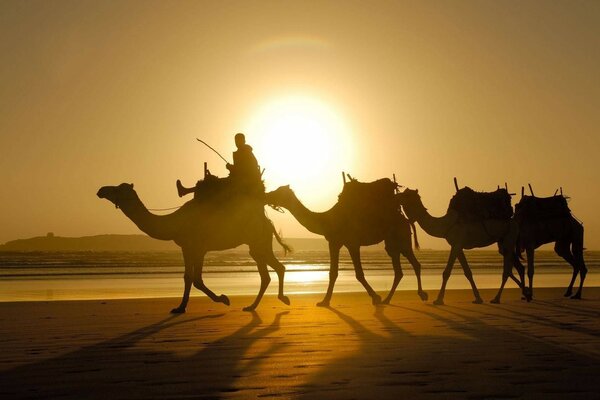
[[131, 185], [287, 186], [417, 190]]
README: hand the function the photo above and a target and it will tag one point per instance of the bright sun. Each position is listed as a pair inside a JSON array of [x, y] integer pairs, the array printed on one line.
[[301, 141]]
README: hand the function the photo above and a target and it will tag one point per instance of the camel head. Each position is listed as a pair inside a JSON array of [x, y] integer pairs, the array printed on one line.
[[280, 197], [117, 194], [411, 203]]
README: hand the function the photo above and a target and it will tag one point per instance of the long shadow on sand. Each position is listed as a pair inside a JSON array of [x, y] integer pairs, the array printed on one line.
[[452, 354], [124, 367]]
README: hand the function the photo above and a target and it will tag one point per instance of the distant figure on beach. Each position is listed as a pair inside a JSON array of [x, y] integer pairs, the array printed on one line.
[[244, 174]]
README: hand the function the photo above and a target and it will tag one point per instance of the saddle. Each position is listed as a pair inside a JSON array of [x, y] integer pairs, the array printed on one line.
[[537, 208], [477, 206], [371, 199], [213, 188]]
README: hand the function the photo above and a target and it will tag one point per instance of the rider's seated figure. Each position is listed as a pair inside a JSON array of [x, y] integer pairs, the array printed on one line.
[[244, 173]]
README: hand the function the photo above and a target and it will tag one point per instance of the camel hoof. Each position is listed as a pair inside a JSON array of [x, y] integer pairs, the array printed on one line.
[[528, 295], [178, 310], [376, 299], [323, 303], [424, 296], [568, 293], [577, 296], [386, 301], [495, 301], [478, 301], [285, 300], [249, 308], [224, 299], [438, 302]]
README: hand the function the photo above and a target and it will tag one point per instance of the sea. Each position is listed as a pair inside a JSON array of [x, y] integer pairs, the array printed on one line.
[[44, 276]]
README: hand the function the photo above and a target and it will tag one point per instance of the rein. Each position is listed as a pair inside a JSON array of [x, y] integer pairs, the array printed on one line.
[[118, 206], [164, 209]]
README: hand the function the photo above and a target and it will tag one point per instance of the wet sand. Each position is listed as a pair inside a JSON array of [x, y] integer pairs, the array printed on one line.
[[134, 348]]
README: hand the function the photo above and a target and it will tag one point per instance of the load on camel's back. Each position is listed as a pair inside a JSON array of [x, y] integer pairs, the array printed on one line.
[[476, 206], [369, 200], [532, 208]]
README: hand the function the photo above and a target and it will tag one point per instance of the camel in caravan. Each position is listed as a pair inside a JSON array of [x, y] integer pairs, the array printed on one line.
[[342, 227], [460, 235], [547, 220], [202, 226]]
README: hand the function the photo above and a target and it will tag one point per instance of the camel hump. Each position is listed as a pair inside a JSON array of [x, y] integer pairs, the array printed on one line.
[[477, 206], [535, 208]]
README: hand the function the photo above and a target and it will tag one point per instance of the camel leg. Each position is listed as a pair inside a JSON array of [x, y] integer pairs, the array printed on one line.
[[360, 275], [526, 294], [562, 248], [530, 268], [187, 284], [578, 256], [410, 256], [582, 274], [265, 279], [334, 259], [462, 259], [395, 256], [519, 267], [506, 273], [446, 275], [279, 269], [199, 283]]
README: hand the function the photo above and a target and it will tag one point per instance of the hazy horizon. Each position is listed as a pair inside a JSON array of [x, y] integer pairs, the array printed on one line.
[[99, 93]]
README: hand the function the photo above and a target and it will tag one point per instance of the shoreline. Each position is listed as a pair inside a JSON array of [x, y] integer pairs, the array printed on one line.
[[247, 283]]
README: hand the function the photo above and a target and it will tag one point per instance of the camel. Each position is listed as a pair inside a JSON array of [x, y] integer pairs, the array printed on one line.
[[199, 227], [536, 229], [462, 235], [339, 230]]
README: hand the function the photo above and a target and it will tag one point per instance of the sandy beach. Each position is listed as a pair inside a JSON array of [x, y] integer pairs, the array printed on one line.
[[134, 348]]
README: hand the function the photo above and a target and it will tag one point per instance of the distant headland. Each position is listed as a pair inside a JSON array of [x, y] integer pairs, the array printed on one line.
[[127, 243]]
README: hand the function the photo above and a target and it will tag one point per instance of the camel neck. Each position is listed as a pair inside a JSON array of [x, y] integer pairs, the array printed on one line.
[[313, 221], [155, 226], [434, 226]]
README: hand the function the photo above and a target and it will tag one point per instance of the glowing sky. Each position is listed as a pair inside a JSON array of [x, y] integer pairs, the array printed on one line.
[[95, 93]]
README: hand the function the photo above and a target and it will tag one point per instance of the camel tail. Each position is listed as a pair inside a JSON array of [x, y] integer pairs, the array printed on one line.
[[286, 248], [414, 228]]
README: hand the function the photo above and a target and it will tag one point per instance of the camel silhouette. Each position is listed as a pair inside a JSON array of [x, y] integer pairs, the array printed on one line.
[[199, 227], [547, 220], [341, 229], [460, 235]]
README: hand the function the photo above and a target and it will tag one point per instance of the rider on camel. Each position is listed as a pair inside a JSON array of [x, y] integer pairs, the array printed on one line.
[[244, 174]]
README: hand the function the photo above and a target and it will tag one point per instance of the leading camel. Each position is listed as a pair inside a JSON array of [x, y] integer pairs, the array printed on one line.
[[202, 226], [351, 231], [465, 235]]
